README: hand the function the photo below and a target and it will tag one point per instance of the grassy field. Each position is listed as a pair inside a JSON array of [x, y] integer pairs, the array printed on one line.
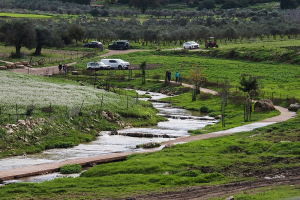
[[243, 156], [19, 15]]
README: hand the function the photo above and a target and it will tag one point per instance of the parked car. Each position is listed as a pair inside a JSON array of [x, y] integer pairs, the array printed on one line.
[[116, 63], [97, 66], [191, 45], [120, 44], [93, 44]]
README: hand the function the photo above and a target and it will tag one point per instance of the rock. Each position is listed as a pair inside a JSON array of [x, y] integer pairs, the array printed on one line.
[[3, 67], [22, 122], [25, 63], [82, 84], [230, 198], [263, 105], [10, 131], [74, 72], [168, 145], [218, 116], [17, 63], [21, 66], [10, 66], [294, 107], [114, 132], [110, 114], [151, 145]]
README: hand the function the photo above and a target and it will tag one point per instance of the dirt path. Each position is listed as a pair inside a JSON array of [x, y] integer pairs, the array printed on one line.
[[224, 190]]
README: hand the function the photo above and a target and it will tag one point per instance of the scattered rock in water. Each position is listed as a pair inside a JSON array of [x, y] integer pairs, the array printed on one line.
[[150, 145], [230, 198], [114, 132], [263, 105]]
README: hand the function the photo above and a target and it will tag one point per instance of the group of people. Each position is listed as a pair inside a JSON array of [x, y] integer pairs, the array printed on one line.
[[62, 67], [169, 75]]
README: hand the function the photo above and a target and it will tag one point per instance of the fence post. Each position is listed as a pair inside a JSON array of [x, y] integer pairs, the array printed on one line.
[[67, 112], [81, 105], [50, 111], [17, 112], [137, 96], [127, 102], [101, 104]]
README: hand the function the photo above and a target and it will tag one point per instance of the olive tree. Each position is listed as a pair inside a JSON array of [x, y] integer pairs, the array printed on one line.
[[18, 33]]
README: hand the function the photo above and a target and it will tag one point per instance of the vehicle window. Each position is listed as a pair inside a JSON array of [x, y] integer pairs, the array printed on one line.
[[112, 61]]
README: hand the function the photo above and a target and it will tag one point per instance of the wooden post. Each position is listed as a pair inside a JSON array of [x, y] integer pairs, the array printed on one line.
[[127, 102], [50, 110], [137, 98], [101, 104], [17, 112]]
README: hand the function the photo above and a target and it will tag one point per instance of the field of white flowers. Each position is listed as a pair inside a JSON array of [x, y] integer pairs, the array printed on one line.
[[26, 89]]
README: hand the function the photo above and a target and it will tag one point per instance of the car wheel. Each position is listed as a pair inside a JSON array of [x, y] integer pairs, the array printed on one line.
[[190, 47], [109, 48], [120, 67], [89, 68]]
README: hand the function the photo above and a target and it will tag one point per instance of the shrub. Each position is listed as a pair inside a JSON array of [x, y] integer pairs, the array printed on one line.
[[70, 169], [204, 109]]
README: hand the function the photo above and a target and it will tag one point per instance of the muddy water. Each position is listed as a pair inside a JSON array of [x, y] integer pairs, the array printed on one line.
[[180, 121]]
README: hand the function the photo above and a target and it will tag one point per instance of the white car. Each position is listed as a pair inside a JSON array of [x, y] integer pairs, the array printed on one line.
[[97, 66], [116, 63], [191, 45]]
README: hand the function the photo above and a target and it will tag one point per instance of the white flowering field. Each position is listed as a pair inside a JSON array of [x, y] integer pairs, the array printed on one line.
[[26, 89]]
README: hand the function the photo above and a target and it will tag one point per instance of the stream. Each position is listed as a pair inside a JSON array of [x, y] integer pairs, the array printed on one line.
[[178, 124]]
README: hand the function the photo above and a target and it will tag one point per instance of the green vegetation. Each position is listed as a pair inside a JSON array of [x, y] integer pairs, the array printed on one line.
[[238, 157], [20, 15], [70, 169]]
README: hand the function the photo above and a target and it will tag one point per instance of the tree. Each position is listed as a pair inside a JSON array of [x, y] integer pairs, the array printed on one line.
[[43, 37], [248, 84], [143, 66], [76, 32], [18, 33], [143, 5], [288, 4], [208, 4], [196, 76]]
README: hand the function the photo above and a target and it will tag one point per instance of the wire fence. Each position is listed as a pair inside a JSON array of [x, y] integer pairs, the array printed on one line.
[[14, 113]]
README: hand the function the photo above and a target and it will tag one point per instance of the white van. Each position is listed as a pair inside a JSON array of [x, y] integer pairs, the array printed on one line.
[[116, 63]]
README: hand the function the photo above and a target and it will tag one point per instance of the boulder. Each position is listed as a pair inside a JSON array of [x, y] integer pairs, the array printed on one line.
[[3, 67], [21, 66], [11, 66], [25, 63], [218, 116], [263, 105], [294, 107]]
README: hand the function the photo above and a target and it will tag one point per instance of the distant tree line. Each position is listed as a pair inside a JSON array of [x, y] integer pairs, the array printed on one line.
[[63, 32]]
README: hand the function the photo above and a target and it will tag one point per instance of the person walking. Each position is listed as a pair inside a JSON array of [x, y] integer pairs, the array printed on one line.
[[177, 76], [169, 75]]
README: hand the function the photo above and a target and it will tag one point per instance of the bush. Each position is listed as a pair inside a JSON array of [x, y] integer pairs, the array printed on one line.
[[204, 109], [70, 169]]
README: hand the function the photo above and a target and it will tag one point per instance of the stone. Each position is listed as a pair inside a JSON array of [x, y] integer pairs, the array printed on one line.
[[263, 105], [74, 72], [230, 198], [25, 63], [3, 67], [218, 116], [21, 66], [22, 122], [10, 131], [294, 107]]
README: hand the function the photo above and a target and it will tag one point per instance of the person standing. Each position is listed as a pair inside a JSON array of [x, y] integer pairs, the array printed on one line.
[[65, 68], [60, 67], [169, 75], [177, 76]]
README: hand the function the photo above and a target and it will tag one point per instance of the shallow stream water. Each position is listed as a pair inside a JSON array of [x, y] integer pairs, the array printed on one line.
[[180, 121]]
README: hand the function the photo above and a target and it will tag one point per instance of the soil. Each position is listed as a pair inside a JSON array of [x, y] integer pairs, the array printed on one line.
[[224, 190]]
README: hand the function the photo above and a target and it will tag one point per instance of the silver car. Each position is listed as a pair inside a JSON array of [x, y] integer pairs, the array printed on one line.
[[97, 66], [191, 45]]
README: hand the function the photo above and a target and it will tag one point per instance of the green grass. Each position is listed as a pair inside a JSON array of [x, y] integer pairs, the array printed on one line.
[[19, 15], [238, 157]]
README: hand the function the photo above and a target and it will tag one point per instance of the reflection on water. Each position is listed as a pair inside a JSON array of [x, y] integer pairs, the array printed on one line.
[[180, 122]]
